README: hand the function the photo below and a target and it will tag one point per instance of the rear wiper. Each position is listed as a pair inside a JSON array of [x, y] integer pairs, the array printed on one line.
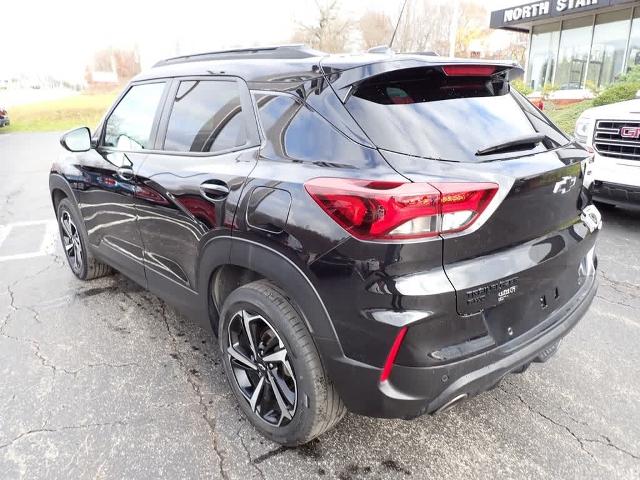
[[525, 142]]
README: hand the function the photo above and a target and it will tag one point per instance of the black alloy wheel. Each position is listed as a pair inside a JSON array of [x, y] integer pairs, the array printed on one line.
[[261, 368], [71, 242]]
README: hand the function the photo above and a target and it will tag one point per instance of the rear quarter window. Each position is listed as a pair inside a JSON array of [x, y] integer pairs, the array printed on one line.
[[295, 131], [423, 112]]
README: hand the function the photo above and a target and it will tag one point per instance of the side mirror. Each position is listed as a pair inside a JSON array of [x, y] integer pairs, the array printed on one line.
[[77, 140]]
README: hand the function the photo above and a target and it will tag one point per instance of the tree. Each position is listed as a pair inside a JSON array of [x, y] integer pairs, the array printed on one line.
[[424, 26], [124, 63], [330, 32], [127, 63], [472, 25], [516, 48], [376, 29]]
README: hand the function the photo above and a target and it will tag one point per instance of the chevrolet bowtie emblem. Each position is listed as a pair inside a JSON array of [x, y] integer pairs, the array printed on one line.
[[564, 185]]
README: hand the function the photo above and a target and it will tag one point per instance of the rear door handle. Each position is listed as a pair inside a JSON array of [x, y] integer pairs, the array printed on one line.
[[125, 173], [214, 191]]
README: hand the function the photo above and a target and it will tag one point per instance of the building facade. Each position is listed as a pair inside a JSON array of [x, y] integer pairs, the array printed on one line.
[[575, 45]]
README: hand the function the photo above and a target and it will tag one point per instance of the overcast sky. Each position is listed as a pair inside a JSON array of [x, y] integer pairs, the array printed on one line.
[[60, 36]]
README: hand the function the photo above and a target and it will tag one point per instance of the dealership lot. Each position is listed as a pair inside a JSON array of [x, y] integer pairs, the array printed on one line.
[[104, 380]]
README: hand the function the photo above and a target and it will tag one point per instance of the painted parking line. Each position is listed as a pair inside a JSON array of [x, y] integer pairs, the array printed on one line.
[[48, 236]]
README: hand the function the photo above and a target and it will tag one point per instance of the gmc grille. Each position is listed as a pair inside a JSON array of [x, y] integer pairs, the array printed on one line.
[[608, 141]]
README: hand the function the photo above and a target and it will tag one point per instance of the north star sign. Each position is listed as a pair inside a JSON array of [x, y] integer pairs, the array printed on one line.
[[545, 9]]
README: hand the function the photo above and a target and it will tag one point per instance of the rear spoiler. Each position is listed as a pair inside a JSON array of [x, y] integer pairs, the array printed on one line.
[[344, 81]]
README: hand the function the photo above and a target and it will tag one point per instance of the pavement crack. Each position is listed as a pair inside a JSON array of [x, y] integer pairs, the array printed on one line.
[[35, 347], [251, 462], [99, 365], [12, 308], [31, 276], [36, 314], [579, 439], [626, 289], [45, 429], [195, 386], [607, 442], [615, 302]]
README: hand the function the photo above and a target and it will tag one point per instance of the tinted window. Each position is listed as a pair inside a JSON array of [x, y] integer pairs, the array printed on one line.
[[423, 112], [295, 131], [206, 117], [129, 126]]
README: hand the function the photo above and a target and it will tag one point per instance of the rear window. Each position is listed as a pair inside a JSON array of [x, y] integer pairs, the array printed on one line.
[[423, 112]]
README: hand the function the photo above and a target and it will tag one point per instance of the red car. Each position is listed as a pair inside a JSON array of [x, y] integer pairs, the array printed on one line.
[[4, 118]]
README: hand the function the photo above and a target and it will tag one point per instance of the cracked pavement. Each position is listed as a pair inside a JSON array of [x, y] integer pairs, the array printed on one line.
[[104, 380]]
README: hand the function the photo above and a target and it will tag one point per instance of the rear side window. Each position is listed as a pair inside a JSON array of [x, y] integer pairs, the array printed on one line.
[[423, 112], [293, 130], [206, 116], [129, 125]]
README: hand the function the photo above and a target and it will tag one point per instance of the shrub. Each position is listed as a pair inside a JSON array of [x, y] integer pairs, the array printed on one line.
[[617, 92], [625, 88], [521, 87], [633, 75], [566, 116], [548, 89]]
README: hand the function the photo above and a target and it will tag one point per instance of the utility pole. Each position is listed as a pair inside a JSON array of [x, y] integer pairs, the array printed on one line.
[[453, 28]]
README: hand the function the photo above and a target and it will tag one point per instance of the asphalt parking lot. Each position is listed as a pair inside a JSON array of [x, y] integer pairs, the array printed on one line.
[[104, 380]]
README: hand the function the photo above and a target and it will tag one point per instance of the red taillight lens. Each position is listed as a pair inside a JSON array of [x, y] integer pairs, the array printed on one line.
[[468, 70], [462, 203], [393, 353], [379, 210], [373, 210]]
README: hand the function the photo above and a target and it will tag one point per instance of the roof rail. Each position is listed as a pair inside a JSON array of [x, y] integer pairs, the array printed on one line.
[[277, 51]]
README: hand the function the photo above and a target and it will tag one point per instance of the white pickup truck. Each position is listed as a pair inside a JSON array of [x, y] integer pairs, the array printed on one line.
[[613, 133]]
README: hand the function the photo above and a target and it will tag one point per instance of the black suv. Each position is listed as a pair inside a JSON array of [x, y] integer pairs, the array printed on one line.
[[385, 234]]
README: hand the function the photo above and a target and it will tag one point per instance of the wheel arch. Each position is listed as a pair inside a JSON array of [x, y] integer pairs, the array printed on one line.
[[247, 261], [59, 188]]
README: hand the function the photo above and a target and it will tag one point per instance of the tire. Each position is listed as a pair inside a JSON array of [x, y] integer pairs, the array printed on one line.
[[314, 406], [74, 244]]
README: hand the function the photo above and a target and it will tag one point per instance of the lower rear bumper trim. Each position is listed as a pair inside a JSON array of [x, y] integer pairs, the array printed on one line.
[[414, 391]]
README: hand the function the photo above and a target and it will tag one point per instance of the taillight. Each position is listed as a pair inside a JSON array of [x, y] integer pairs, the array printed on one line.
[[381, 210], [462, 203]]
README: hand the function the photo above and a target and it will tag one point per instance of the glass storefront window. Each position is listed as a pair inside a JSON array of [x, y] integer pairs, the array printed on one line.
[[542, 54], [575, 41], [634, 42], [607, 51]]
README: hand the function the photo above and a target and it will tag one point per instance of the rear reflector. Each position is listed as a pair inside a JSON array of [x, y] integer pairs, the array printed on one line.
[[381, 210], [469, 70], [393, 353]]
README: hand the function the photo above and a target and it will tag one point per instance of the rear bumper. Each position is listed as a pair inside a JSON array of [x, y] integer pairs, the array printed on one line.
[[615, 193], [413, 391]]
